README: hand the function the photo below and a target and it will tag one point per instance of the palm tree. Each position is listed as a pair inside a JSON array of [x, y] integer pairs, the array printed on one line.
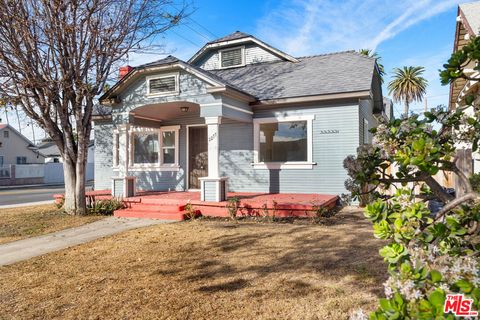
[[375, 55], [408, 85]]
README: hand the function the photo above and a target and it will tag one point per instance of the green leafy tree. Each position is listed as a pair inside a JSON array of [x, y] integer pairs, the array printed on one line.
[[407, 86], [375, 55], [430, 253]]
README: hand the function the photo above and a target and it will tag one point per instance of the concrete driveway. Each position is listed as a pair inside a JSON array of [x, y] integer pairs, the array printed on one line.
[[28, 248]]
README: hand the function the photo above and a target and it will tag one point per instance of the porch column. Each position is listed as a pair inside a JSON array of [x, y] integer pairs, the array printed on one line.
[[213, 187], [213, 124], [123, 185]]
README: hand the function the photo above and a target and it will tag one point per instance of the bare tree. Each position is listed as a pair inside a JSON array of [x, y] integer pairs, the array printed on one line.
[[56, 57]]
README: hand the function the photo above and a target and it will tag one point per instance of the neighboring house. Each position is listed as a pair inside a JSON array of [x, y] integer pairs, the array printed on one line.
[[50, 150], [239, 115], [467, 27], [20, 160], [15, 148]]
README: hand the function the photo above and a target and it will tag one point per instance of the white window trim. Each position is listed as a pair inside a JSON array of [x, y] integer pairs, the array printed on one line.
[[289, 164], [162, 94], [159, 166], [366, 133], [242, 54], [116, 149]]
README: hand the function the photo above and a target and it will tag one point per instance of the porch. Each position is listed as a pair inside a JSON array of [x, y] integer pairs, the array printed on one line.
[[172, 205]]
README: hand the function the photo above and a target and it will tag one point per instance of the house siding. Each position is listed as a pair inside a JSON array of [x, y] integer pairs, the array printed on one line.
[[16, 146], [329, 151], [366, 113], [236, 153], [253, 54], [103, 132]]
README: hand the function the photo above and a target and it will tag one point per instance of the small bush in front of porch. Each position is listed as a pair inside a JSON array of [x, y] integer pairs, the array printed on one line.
[[190, 211], [232, 206], [105, 207]]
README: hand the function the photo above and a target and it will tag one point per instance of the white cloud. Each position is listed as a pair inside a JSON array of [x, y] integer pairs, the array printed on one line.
[[305, 27]]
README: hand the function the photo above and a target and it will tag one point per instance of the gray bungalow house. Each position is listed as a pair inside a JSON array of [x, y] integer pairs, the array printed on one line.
[[241, 116]]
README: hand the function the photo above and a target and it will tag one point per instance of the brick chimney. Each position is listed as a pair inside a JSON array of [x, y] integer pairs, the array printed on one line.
[[123, 71]]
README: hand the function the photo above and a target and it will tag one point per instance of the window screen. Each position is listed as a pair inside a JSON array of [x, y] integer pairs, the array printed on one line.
[[163, 85], [231, 58]]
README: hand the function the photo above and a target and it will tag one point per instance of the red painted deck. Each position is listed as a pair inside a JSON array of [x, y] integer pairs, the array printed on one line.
[[171, 205]]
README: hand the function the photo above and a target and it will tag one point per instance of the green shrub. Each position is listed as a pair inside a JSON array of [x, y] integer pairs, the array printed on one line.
[[475, 181], [105, 207]]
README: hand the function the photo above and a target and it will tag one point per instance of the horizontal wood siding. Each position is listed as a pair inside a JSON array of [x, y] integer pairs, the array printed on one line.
[[103, 133], [329, 151], [253, 54], [210, 191], [366, 112]]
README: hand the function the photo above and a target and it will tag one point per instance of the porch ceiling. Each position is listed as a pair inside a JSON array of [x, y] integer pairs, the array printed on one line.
[[166, 111]]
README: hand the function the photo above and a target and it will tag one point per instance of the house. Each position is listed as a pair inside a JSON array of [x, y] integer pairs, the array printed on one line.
[[18, 155], [50, 150], [15, 148], [240, 115], [467, 27]]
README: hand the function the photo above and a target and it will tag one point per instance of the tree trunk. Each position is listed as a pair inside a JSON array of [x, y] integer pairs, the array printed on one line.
[[69, 174], [407, 109], [80, 183]]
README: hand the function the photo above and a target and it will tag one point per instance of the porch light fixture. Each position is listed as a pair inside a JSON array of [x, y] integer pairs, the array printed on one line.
[[184, 108]]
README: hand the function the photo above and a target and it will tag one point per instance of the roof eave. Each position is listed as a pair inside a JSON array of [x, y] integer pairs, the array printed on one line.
[[314, 98]]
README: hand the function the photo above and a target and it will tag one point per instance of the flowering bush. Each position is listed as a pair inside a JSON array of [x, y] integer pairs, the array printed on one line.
[[429, 254]]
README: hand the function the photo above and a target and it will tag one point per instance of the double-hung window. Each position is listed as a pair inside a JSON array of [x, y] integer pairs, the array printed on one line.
[[283, 143], [155, 148]]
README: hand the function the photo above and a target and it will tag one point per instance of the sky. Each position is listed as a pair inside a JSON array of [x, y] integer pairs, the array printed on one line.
[[404, 33]]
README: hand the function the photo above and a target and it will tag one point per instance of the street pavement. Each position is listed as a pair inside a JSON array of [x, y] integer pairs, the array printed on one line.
[[22, 195]]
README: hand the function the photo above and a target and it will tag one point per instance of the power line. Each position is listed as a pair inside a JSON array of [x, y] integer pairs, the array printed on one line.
[[197, 32], [186, 39], [197, 23]]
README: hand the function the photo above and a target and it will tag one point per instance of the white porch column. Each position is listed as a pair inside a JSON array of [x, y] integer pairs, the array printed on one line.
[[123, 185], [213, 187], [213, 124]]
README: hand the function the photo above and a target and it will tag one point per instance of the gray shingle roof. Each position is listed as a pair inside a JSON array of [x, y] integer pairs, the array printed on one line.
[[471, 11], [315, 75], [231, 36]]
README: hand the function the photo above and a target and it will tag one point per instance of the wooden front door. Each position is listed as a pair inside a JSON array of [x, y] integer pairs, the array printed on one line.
[[197, 155]]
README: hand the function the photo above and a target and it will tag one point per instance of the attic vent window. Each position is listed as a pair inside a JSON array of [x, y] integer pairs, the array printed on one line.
[[231, 57], [163, 85]]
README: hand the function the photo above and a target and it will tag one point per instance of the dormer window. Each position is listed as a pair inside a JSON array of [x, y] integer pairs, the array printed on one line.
[[162, 85], [233, 57]]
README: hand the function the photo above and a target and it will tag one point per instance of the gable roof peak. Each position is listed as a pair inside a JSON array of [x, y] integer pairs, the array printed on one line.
[[232, 36]]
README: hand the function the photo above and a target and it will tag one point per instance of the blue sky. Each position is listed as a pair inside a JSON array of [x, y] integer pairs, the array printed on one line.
[[407, 32], [403, 32]]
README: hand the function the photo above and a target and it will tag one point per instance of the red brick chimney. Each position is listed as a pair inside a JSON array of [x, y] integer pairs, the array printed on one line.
[[123, 71]]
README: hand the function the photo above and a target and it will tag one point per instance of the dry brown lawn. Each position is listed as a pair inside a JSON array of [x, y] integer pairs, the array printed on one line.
[[25, 222], [205, 270]]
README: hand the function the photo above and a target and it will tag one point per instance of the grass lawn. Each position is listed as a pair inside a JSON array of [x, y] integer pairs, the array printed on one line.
[[205, 270], [25, 222]]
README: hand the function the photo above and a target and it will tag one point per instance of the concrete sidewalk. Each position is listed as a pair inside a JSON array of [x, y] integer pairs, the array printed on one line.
[[28, 248]]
